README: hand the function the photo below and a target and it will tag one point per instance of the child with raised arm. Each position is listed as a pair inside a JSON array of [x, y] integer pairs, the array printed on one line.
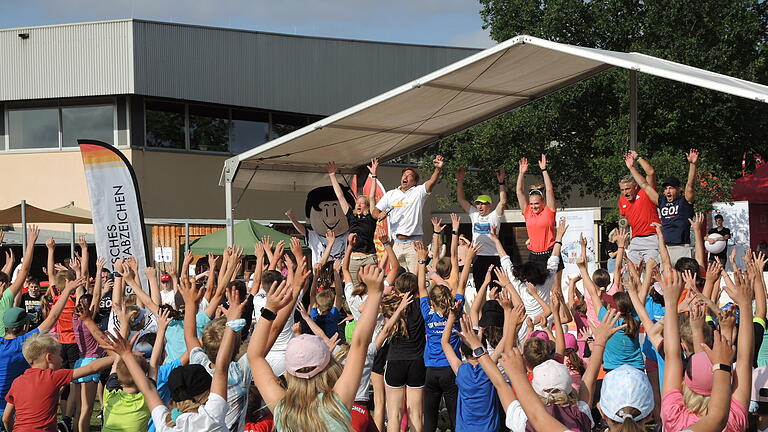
[[34, 396], [319, 393]]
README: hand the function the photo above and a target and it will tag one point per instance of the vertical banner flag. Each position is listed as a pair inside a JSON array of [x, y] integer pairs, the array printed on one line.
[[118, 219]]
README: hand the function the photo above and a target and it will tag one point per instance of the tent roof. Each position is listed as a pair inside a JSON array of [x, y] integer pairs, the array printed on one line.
[[247, 234], [12, 215], [71, 210], [752, 187], [499, 79]]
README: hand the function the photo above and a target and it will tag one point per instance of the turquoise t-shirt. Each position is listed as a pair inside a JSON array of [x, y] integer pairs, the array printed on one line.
[[620, 349], [6, 302]]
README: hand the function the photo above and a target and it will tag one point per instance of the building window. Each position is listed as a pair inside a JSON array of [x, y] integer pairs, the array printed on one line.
[[165, 124], [87, 122], [33, 128], [283, 124], [209, 128], [249, 129]]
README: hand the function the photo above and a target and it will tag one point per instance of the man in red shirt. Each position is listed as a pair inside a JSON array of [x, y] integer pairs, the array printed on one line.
[[639, 209]]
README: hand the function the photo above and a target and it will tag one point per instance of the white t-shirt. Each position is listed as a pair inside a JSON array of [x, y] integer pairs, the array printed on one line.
[[208, 418], [405, 216], [516, 418], [532, 307], [481, 227], [238, 379], [317, 243], [355, 302], [168, 297], [276, 356], [150, 324]]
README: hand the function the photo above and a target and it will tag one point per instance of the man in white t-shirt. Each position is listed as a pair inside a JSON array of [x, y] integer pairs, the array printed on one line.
[[485, 218], [403, 206]]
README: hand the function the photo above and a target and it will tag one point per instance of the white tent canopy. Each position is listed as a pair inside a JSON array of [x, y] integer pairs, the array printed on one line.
[[449, 100]]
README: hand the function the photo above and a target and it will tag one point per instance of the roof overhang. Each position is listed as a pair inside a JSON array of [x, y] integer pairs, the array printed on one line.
[[456, 97]]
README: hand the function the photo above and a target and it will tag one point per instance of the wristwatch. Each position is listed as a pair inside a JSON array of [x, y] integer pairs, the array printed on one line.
[[722, 367], [479, 352], [421, 261]]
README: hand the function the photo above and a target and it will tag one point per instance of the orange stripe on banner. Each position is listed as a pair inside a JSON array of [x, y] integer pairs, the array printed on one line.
[[102, 165], [97, 154]]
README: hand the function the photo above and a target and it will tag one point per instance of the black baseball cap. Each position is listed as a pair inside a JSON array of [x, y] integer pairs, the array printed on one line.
[[671, 181]]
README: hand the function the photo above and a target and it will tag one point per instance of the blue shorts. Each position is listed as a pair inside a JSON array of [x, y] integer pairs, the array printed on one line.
[[89, 378]]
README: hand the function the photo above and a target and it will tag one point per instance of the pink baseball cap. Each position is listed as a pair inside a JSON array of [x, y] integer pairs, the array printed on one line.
[[570, 342], [541, 334], [551, 375], [306, 351], [698, 374]]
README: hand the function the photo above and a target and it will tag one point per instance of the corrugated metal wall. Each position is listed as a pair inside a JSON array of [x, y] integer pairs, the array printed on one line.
[[66, 61], [279, 72]]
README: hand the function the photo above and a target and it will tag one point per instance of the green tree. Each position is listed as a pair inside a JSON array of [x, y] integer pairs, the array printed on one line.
[[584, 129]]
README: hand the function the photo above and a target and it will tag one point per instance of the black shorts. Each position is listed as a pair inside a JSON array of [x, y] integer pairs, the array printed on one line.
[[405, 373], [380, 360], [70, 353], [542, 257]]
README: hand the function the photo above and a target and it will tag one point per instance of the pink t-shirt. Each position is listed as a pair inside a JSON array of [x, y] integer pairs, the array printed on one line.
[[592, 313], [676, 417]]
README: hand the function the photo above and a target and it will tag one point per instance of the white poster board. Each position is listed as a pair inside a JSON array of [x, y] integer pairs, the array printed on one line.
[[580, 222], [736, 219]]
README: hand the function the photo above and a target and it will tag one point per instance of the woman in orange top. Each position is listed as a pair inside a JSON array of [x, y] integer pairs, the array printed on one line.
[[539, 213]]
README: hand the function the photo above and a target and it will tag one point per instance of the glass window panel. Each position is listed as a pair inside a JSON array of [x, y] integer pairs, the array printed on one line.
[[249, 129], [165, 124], [33, 128], [283, 124], [92, 122], [209, 128]]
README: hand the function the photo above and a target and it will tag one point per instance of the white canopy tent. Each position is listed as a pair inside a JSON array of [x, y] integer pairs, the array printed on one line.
[[456, 97]]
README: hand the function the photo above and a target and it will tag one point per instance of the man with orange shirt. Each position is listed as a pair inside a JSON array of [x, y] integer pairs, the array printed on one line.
[[639, 209]]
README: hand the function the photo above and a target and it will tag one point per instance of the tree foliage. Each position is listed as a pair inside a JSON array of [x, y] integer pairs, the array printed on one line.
[[584, 129]]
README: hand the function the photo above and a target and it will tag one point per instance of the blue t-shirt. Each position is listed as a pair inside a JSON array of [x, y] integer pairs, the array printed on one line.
[[434, 324], [476, 408], [656, 312], [12, 363], [620, 349], [674, 220], [163, 372], [329, 322]]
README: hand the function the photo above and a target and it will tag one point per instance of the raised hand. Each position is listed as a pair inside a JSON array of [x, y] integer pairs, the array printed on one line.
[[351, 238], [438, 162], [373, 277], [622, 238], [236, 305], [278, 296], [523, 165], [629, 159], [421, 250], [561, 229], [455, 222], [33, 232], [697, 221], [407, 300], [116, 343], [190, 292], [722, 350], [290, 213], [296, 248], [501, 277], [50, 243], [607, 327], [692, 156], [331, 168], [543, 162], [437, 225], [672, 283], [330, 237], [163, 319], [467, 333], [268, 243], [489, 274], [739, 288], [373, 167], [461, 173], [501, 175], [472, 252], [81, 242]]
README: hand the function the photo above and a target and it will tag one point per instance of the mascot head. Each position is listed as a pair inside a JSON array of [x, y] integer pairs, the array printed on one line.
[[324, 211]]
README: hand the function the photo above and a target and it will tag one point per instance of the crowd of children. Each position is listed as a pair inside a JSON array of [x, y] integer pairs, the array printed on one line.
[[414, 340]]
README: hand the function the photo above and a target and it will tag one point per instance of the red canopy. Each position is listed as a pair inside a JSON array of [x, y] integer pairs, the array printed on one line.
[[752, 187]]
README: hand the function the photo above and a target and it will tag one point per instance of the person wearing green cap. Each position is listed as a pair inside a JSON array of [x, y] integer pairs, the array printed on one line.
[[17, 323], [484, 218]]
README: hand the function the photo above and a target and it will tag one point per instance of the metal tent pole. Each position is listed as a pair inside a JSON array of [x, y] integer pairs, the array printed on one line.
[[72, 238], [632, 110], [23, 226]]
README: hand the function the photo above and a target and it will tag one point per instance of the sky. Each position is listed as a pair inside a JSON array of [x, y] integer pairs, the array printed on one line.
[[432, 22]]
